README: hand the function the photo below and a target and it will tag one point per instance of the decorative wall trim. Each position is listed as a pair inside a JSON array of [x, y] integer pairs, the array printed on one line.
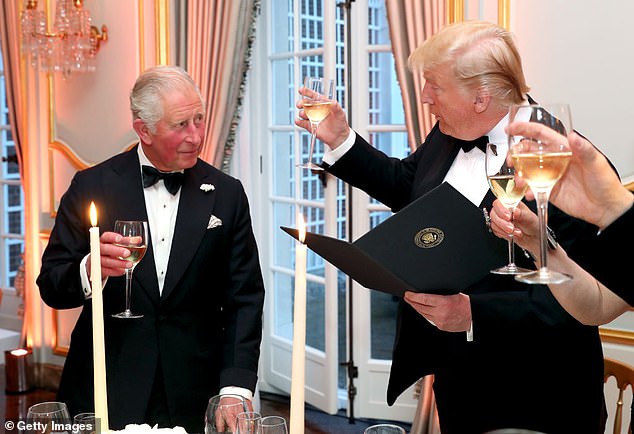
[[455, 11], [630, 186], [614, 336], [504, 14], [162, 34]]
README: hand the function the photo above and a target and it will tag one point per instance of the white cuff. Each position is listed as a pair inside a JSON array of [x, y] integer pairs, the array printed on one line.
[[234, 390], [470, 332], [85, 281], [332, 155]]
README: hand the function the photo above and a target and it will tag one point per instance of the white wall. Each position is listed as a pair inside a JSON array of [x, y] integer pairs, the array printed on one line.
[[582, 52]]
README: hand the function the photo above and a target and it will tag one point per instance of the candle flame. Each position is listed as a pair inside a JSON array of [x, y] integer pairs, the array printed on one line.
[[302, 228], [19, 352], [93, 214]]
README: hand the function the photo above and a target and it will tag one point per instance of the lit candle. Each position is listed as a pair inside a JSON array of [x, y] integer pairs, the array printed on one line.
[[299, 335], [98, 343]]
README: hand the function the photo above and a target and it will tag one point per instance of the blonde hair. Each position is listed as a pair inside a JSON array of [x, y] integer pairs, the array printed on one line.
[[146, 97], [484, 56]]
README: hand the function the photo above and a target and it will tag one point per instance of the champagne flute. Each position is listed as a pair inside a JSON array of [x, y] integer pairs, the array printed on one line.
[[501, 177], [274, 425], [249, 422], [48, 417], [220, 416], [541, 163], [317, 104], [135, 239]]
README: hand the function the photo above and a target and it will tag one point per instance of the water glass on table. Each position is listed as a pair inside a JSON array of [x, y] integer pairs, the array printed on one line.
[[274, 425], [384, 428], [48, 417]]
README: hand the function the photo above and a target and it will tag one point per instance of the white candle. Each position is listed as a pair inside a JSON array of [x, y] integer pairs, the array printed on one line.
[[98, 343], [299, 335]]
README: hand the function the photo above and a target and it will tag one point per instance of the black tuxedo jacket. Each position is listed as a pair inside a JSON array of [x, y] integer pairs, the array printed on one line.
[[531, 365], [203, 331]]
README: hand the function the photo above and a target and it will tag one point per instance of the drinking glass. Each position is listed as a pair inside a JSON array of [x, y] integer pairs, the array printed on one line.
[[274, 425], [48, 417], [135, 239], [221, 413], [249, 422], [85, 423], [384, 428], [317, 104], [541, 163], [509, 191]]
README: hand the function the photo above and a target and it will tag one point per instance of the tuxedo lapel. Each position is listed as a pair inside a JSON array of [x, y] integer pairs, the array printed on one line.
[[194, 209], [128, 203]]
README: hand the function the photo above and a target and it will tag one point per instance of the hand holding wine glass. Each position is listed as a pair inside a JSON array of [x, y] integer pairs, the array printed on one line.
[[222, 411], [135, 239], [317, 103], [509, 190], [541, 164]]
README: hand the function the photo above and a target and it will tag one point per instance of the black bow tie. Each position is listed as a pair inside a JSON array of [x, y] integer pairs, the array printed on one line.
[[480, 143], [172, 180]]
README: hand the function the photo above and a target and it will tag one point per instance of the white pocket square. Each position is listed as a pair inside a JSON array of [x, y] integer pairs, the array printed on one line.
[[214, 222]]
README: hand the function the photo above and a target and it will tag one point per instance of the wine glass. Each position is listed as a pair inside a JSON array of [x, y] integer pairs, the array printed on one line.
[[220, 416], [384, 428], [541, 163], [48, 417], [274, 425], [317, 104], [249, 422], [501, 177], [85, 423], [135, 239]]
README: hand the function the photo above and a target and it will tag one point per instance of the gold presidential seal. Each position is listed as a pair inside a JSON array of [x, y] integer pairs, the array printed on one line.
[[428, 238]]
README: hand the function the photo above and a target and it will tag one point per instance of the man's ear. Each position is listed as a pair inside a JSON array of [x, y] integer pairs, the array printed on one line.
[[481, 101], [142, 131]]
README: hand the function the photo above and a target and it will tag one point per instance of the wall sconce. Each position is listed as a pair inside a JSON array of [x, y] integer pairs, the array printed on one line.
[[70, 46]]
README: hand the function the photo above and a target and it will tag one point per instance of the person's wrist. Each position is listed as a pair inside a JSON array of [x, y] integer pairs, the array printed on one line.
[[616, 208], [341, 138]]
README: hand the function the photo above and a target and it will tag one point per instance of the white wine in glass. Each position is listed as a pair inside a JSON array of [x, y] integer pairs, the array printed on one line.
[[135, 239], [501, 177], [541, 163], [317, 105]]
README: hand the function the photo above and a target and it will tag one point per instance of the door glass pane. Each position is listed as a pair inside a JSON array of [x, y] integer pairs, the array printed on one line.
[[283, 94], [283, 305], [283, 164], [315, 316], [384, 98], [283, 244], [282, 22]]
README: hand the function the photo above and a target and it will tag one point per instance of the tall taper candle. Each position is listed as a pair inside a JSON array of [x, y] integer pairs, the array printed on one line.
[[98, 342], [299, 335]]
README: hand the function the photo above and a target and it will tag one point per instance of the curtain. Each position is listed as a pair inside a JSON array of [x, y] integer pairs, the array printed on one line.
[[220, 36], [410, 23], [10, 40]]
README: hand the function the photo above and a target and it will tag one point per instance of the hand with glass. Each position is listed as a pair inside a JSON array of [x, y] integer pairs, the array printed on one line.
[[135, 239], [222, 412], [509, 190], [317, 101], [541, 164]]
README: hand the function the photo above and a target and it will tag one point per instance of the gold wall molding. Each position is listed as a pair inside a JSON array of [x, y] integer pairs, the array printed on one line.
[[630, 186], [613, 336], [162, 33]]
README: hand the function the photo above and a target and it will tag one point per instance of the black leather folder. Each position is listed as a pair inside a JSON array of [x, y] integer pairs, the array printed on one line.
[[437, 244]]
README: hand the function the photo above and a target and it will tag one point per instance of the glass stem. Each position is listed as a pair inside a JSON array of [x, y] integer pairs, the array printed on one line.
[[542, 212], [313, 139], [511, 245], [128, 288]]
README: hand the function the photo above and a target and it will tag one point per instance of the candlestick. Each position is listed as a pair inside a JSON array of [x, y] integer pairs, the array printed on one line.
[[98, 341], [298, 365]]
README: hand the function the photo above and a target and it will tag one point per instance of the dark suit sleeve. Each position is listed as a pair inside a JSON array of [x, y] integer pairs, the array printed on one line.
[[244, 304], [385, 178], [610, 261], [59, 279]]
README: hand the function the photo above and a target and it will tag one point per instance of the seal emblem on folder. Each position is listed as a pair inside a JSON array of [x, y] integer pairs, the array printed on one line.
[[429, 238]]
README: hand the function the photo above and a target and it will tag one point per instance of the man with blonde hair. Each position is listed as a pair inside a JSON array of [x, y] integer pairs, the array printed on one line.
[[504, 354]]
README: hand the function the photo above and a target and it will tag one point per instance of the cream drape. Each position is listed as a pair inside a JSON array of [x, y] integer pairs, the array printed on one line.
[[410, 23], [220, 34]]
